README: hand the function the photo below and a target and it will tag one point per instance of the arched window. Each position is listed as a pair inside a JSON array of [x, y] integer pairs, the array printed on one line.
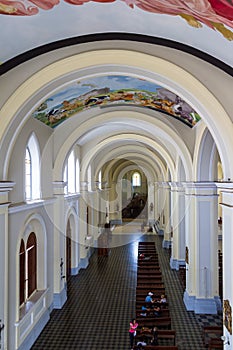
[[77, 175], [28, 175], [32, 169], [71, 174], [100, 180], [31, 253], [22, 273], [136, 179], [89, 185], [28, 268]]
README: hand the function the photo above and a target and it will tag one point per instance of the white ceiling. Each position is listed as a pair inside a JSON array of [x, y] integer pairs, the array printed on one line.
[[22, 33]]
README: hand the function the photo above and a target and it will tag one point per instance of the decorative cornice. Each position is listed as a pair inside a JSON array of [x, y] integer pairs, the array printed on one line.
[[6, 186]]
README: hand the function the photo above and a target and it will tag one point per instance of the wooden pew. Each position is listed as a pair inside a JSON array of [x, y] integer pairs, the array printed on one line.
[[146, 244], [163, 313], [163, 334], [145, 286], [209, 332], [142, 269], [149, 278], [143, 289], [160, 322], [215, 344], [158, 290], [144, 274], [157, 347], [147, 251], [151, 262]]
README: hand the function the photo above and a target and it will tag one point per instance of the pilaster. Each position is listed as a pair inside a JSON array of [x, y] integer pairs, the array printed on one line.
[[5, 188], [178, 225], [59, 293], [167, 216], [226, 190], [201, 295]]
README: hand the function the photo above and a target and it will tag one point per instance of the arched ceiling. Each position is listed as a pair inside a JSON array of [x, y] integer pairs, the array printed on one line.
[[203, 24], [113, 90], [46, 33]]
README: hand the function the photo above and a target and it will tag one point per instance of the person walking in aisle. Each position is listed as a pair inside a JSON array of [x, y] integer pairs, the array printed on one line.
[[132, 331]]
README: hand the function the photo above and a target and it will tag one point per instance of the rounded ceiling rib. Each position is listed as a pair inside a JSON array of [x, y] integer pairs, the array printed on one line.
[[170, 74], [132, 153], [86, 160]]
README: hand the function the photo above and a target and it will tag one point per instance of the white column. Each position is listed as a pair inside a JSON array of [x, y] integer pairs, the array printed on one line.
[[167, 216], [83, 230], [227, 248], [156, 201], [60, 293], [151, 204], [5, 188], [178, 225], [201, 295]]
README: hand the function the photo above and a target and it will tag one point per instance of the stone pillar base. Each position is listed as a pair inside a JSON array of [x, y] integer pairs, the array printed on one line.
[[59, 299], [200, 305], [175, 263], [166, 244]]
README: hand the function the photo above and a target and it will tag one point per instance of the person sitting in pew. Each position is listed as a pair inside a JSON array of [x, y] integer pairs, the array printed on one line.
[[142, 342], [143, 257], [154, 340], [149, 299], [163, 299], [145, 309], [157, 311]]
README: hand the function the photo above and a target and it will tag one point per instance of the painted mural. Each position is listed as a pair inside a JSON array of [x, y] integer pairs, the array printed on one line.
[[113, 90], [216, 14]]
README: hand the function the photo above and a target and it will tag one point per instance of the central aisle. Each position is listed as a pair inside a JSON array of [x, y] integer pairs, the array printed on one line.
[[101, 301]]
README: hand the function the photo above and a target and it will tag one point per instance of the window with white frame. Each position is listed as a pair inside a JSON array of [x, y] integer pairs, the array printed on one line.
[[77, 175], [136, 179], [100, 180], [32, 169], [27, 268], [71, 174], [28, 175], [89, 178]]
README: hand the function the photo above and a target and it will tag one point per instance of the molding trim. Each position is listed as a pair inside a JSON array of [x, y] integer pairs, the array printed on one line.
[[37, 51]]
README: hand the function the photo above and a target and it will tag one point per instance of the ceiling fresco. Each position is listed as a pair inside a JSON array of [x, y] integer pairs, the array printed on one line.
[[203, 24], [113, 90]]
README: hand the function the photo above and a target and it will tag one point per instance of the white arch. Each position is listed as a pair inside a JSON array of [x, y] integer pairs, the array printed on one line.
[[71, 215], [89, 155], [33, 223], [153, 128], [163, 72], [34, 148], [131, 153]]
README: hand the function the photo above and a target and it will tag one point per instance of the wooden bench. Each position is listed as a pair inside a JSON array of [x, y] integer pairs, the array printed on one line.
[[164, 334], [140, 298], [160, 322], [143, 289], [147, 251], [157, 347], [146, 244], [150, 273], [215, 344], [163, 313], [208, 332], [148, 269], [151, 262], [143, 276]]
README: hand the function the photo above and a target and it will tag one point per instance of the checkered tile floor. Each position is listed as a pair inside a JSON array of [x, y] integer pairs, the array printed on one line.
[[101, 302]]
